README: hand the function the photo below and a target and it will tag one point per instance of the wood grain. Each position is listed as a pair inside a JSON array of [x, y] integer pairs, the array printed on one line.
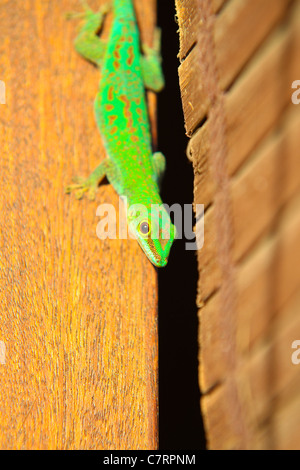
[[255, 199], [262, 100], [189, 22], [78, 315], [267, 380], [265, 283]]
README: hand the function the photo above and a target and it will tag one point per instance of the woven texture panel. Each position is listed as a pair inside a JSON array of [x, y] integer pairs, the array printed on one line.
[[238, 61]]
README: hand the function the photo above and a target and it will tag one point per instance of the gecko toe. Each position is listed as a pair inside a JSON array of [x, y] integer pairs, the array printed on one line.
[[92, 193], [79, 193]]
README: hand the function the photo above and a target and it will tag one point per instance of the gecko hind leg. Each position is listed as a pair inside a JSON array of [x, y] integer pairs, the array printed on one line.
[[87, 43], [151, 64], [90, 184]]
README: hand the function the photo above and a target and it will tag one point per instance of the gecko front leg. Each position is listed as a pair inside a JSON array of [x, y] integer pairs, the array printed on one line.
[[90, 184]]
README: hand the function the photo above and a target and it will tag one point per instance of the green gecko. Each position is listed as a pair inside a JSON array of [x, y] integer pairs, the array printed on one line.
[[122, 118]]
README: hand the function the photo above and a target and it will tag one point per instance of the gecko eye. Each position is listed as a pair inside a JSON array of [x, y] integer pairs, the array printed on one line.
[[144, 227]]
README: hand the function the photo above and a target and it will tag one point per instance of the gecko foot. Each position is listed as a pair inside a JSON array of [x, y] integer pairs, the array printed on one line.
[[81, 186], [155, 49]]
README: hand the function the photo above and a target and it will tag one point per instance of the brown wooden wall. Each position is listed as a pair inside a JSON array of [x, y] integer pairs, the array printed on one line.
[[238, 61], [78, 317]]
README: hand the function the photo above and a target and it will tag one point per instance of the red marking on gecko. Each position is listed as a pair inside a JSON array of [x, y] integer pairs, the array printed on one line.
[[109, 107], [127, 112], [111, 93], [114, 130], [116, 53], [111, 119], [130, 56], [140, 113]]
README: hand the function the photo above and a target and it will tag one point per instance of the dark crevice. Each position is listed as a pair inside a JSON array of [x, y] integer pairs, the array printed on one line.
[[221, 8], [213, 388], [198, 126], [211, 295], [280, 25], [180, 421], [182, 59]]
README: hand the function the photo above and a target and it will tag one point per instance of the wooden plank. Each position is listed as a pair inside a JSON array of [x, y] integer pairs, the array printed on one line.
[[255, 194], [265, 282], [270, 372], [188, 16], [262, 386], [263, 102], [245, 23], [255, 199], [218, 4], [210, 275], [78, 315], [281, 432], [224, 428], [195, 100], [245, 371], [262, 296]]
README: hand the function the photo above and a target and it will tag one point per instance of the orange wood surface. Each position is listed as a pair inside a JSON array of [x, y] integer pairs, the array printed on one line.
[[78, 316]]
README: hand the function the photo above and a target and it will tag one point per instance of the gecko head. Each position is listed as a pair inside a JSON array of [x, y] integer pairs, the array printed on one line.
[[153, 230]]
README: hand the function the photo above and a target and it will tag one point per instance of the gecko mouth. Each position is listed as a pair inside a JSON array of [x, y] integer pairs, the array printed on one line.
[[152, 248]]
